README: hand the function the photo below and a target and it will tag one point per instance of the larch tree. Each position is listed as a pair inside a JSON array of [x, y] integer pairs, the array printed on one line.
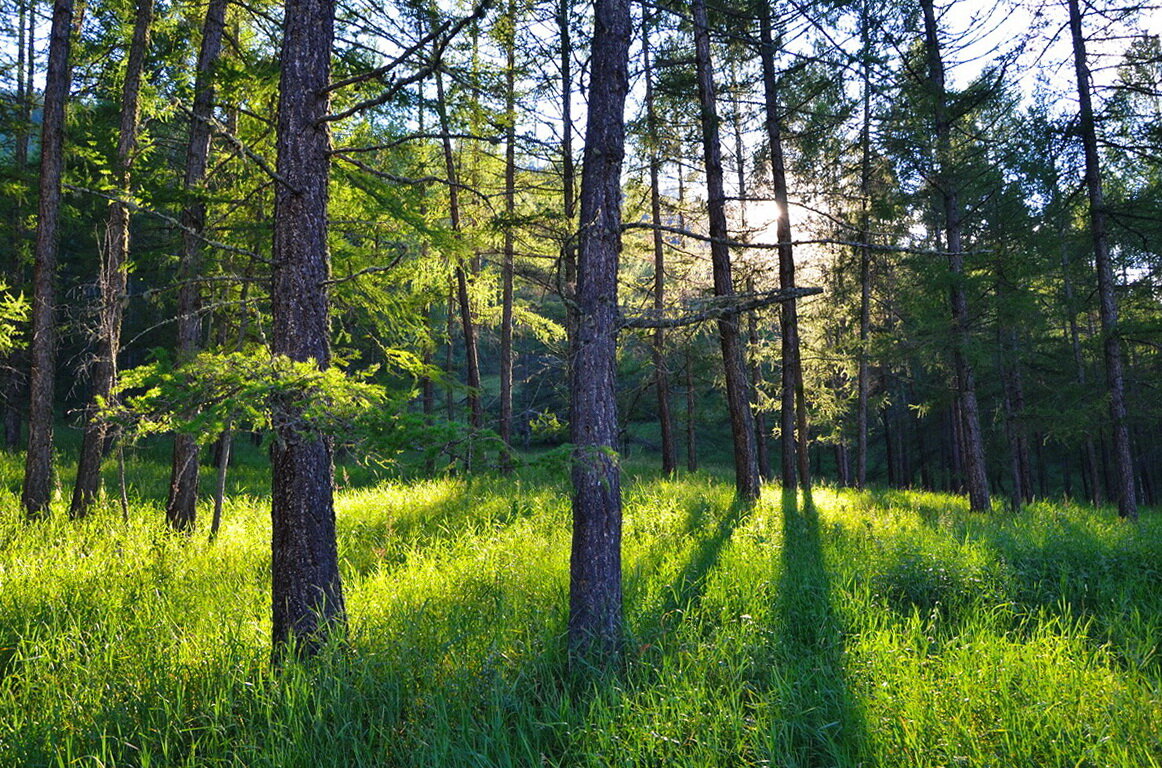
[[307, 597], [181, 504], [595, 610], [1123, 485], [38, 467], [746, 472], [113, 271]]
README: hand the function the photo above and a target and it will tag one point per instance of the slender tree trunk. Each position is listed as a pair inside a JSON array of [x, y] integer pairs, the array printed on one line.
[[12, 376], [863, 386], [661, 375], [505, 425], [793, 402], [1123, 486], [307, 596], [974, 457], [181, 506], [1089, 468], [691, 416], [746, 472], [568, 171], [595, 616], [114, 273], [762, 446], [38, 468], [467, 325]]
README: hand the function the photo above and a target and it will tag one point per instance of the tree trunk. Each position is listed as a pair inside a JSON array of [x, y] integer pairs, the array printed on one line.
[[568, 172], [1123, 486], [746, 472], [945, 182], [12, 375], [181, 506], [114, 274], [661, 375], [38, 467], [467, 325], [691, 419], [595, 617], [864, 375], [793, 404], [307, 596], [505, 425]]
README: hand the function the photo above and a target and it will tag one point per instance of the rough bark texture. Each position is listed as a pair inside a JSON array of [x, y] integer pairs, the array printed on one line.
[[945, 181], [793, 413], [38, 469], [595, 616], [114, 273], [307, 597], [1123, 486], [746, 472], [181, 504], [661, 375]]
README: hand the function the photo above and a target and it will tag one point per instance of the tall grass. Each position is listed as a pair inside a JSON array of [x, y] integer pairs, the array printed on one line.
[[875, 629]]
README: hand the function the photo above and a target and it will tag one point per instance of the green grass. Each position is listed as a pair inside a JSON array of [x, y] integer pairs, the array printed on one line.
[[877, 629]]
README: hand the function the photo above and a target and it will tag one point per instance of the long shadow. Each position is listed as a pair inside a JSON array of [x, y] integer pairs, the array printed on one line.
[[685, 591], [819, 722]]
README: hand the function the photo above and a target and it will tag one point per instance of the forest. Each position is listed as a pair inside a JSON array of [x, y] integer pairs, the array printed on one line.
[[537, 382]]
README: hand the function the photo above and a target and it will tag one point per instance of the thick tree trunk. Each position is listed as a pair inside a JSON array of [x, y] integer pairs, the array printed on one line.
[[661, 375], [38, 468], [307, 596], [114, 274], [595, 616], [505, 425], [1123, 486], [746, 471], [793, 400], [945, 182], [181, 506]]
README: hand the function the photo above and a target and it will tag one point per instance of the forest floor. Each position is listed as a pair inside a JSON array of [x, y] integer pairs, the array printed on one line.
[[844, 629]]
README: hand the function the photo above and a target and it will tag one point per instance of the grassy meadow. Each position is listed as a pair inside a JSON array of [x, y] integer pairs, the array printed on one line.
[[844, 629]]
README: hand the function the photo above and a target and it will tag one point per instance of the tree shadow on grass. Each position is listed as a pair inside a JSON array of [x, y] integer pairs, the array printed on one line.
[[818, 722]]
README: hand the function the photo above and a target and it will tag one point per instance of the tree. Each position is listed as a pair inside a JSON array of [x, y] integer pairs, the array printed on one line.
[[38, 468], [1107, 301], [181, 506], [113, 272], [595, 615], [306, 592], [746, 472]]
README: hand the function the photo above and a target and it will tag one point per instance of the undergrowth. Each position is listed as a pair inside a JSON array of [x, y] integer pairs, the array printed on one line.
[[845, 629]]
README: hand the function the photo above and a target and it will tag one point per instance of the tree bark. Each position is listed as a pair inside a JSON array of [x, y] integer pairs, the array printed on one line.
[[1123, 486], [113, 274], [945, 182], [746, 472], [793, 401], [568, 172], [181, 505], [38, 468], [661, 375], [307, 596], [595, 612]]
